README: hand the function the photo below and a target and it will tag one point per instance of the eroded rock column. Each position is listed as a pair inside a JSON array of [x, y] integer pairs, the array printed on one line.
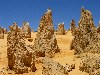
[[45, 43]]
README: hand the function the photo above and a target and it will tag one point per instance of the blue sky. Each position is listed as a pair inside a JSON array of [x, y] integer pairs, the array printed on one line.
[[32, 10]]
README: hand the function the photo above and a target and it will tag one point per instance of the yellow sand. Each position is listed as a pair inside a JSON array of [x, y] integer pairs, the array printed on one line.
[[65, 56]]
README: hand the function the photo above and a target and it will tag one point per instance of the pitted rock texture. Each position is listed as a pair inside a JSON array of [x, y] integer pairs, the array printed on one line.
[[45, 43], [61, 30], [26, 29], [51, 67], [98, 29], [72, 27], [85, 35], [90, 63], [1, 33], [20, 56]]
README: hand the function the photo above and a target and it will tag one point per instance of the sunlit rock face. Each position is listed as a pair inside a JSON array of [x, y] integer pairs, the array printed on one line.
[[45, 43], [85, 35], [5, 30], [98, 29], [1, 33], [26, 29], [51, 67], [72, 27], [61, 30], [90, 63], [20, 56]]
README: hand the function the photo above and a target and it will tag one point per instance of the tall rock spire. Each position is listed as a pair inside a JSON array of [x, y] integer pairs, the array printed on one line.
[[86, 18], [85, 33], [26, 29], [72, 26], [45, 43], [61, 30], [20, 56]]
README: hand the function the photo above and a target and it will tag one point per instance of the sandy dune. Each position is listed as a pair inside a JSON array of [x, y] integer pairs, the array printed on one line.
[[65, 55]]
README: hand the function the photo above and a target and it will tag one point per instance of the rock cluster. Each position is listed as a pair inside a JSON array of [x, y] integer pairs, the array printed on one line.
[[51, 67], [20, 56], [85, 35], [90, 63], [26, 29], [1, 33], [45, 43], [61, 30]]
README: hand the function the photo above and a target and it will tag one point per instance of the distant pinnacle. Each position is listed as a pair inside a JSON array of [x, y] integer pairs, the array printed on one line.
[[82, 9], [62, 22], [14, 23], [99, 23], [48, 10]]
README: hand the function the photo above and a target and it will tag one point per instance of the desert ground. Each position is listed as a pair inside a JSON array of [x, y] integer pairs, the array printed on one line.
[[64, 56]]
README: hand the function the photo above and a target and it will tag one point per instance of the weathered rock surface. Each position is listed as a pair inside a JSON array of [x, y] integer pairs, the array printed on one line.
[[98, 29], [30, 39], [5, 30], [45, 43], [90, 63], [61, 30], [51, 67], [69, 68], [72, 27], [20, 56], [85, 35], [1, 33], [26, 29]]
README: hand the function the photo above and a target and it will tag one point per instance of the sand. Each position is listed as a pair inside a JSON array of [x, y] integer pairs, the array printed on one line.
[[65, 56]]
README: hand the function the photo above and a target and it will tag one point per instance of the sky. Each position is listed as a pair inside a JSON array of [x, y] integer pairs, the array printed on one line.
[[32, 10]]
